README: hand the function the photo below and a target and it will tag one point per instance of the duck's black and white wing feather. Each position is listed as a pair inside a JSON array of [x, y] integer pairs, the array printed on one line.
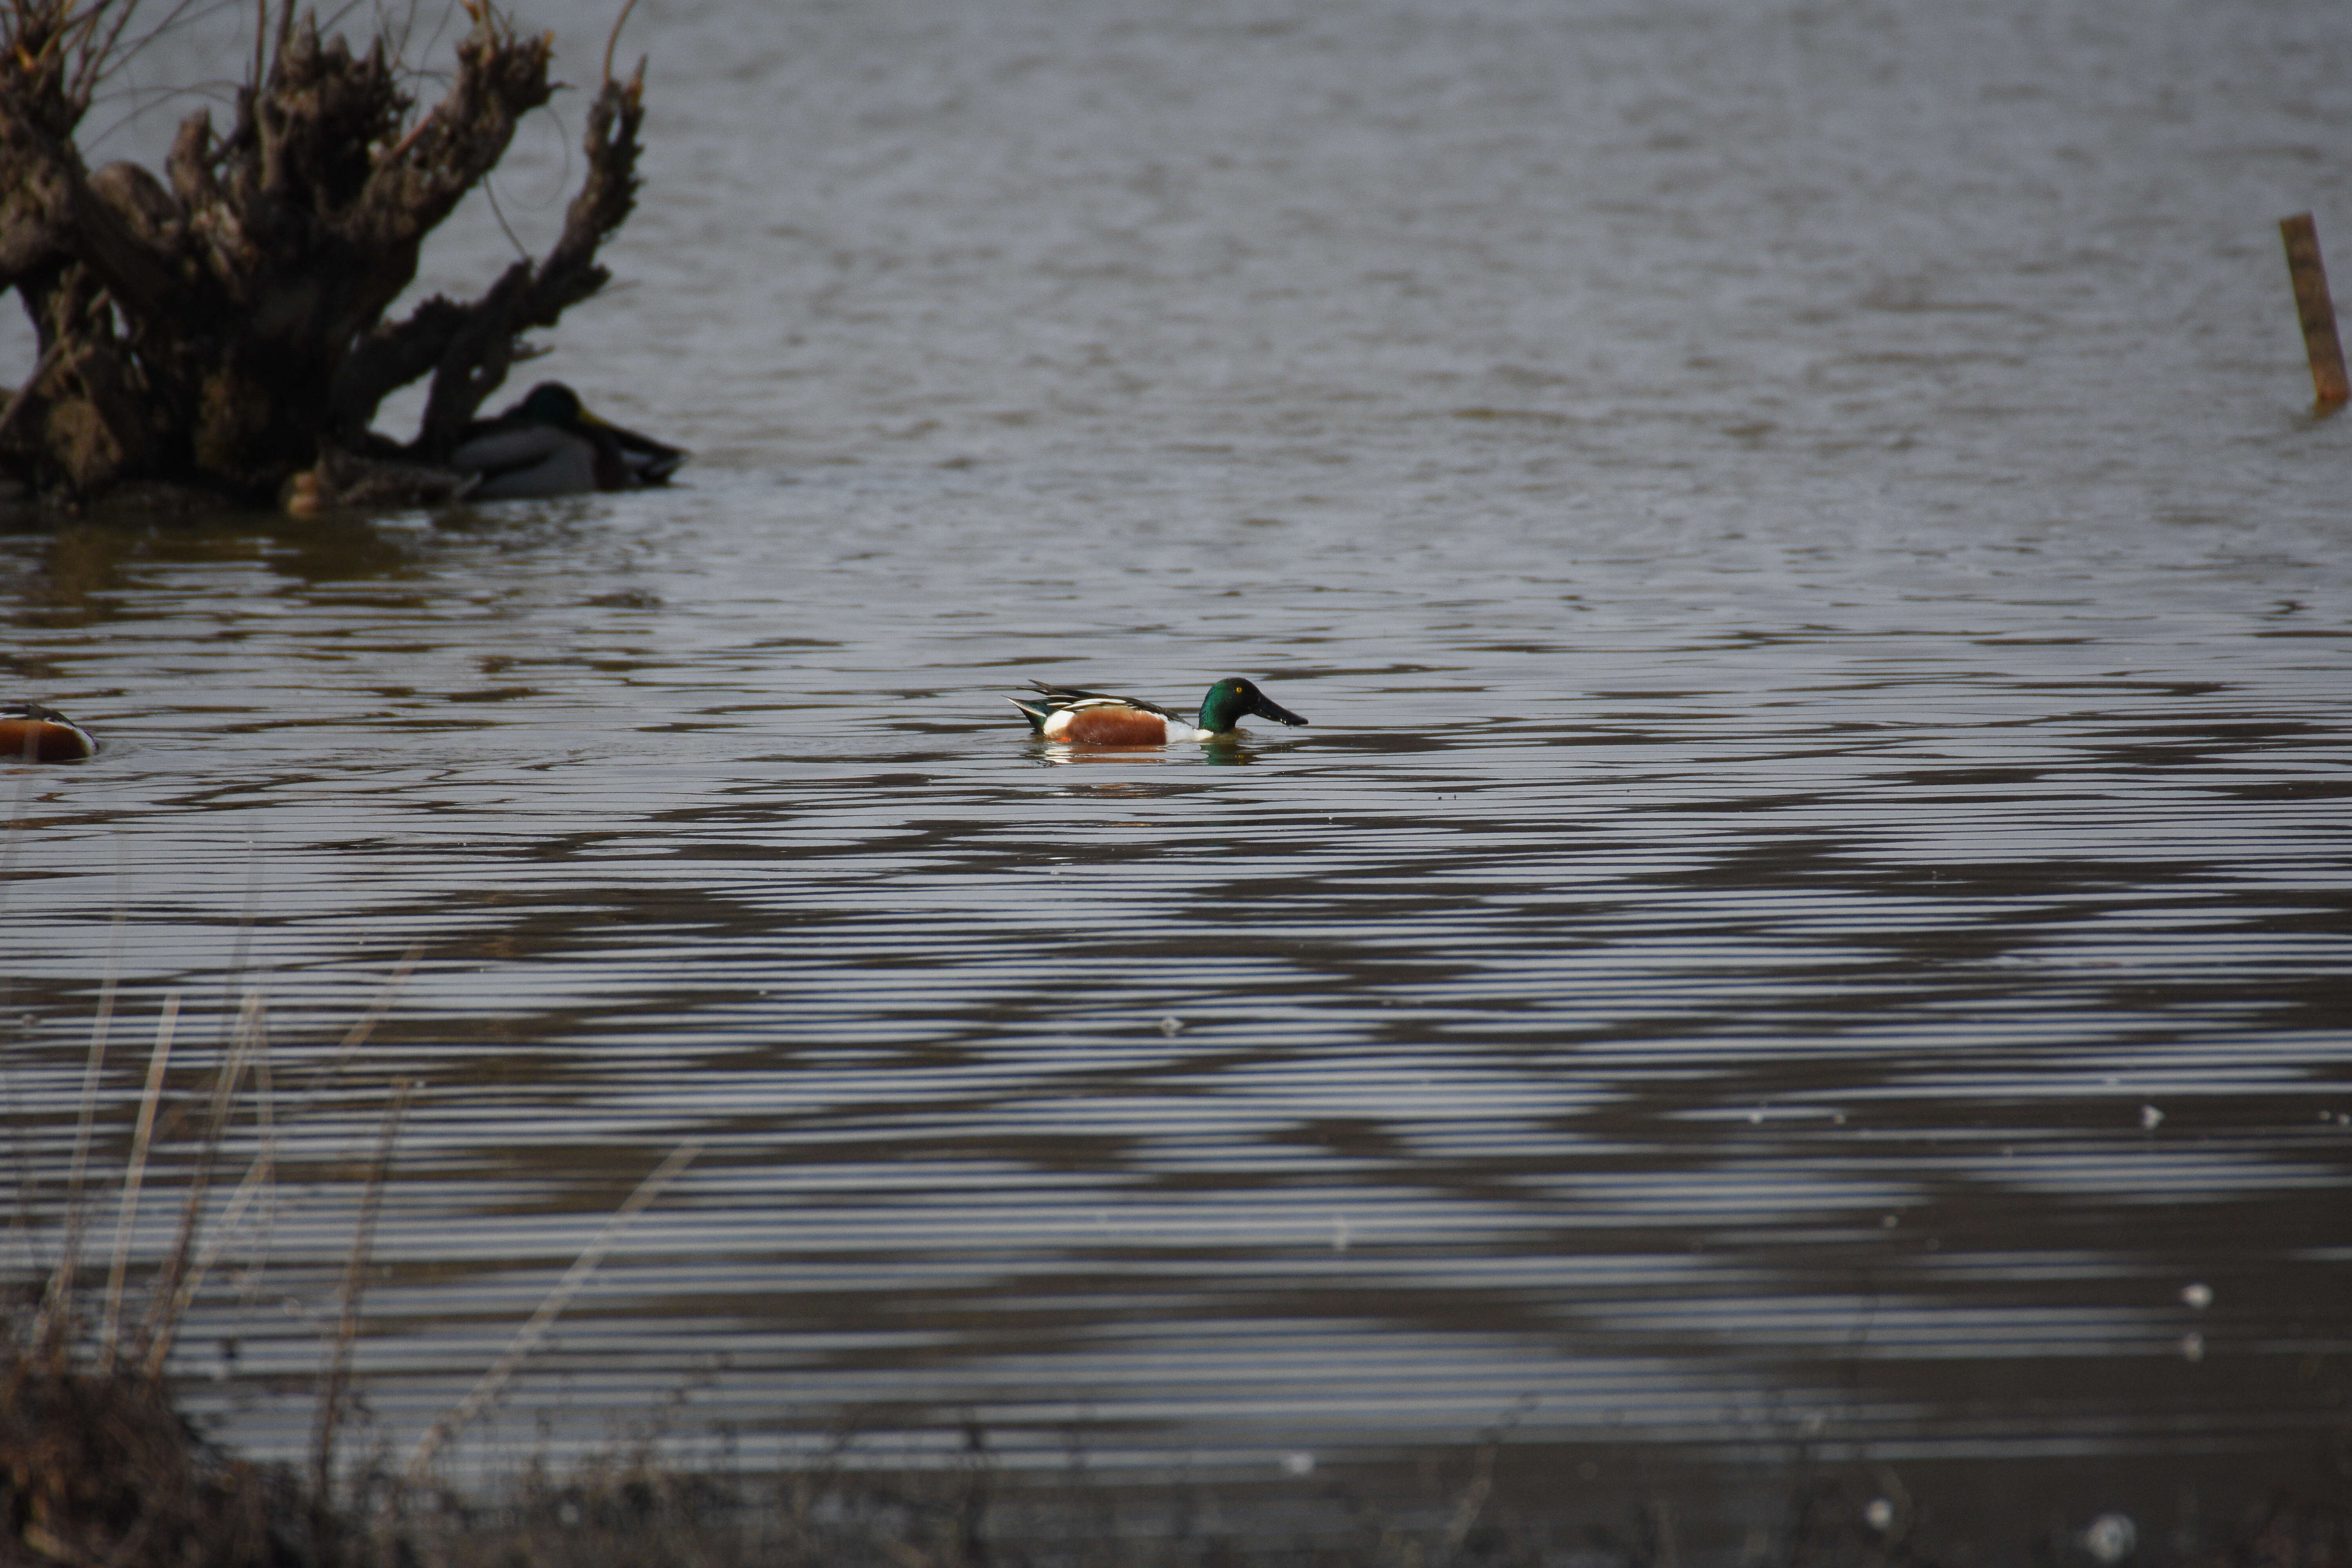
[[1060, 697]]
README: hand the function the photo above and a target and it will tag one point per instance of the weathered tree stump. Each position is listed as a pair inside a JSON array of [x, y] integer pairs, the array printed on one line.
[[222, 328]]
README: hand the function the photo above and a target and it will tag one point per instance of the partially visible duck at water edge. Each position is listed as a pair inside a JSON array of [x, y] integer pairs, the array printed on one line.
[[548, 444], [30, 732], [1093, 719]]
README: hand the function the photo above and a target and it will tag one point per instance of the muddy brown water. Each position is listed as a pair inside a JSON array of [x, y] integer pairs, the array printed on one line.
[[1813, 916]]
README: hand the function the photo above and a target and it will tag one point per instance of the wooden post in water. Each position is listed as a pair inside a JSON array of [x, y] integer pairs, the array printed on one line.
[[2318, 312]]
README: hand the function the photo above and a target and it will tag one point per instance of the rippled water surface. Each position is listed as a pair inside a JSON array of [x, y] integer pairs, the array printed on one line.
[[1814, 908]]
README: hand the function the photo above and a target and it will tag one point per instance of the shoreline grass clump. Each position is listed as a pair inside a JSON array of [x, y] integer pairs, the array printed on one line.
[[100, 1468], [97, 1465]]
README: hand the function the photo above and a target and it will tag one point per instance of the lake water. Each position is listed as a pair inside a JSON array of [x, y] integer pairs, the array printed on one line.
[[1812, 919]]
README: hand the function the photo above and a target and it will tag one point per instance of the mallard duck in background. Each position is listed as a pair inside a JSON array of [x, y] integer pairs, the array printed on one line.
[[30, 732], [1093, 719], [548, 444]]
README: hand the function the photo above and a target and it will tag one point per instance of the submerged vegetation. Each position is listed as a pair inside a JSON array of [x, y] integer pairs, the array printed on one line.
[[223, 329]]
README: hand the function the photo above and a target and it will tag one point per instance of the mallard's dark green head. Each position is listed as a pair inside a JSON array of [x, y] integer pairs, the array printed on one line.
[[1232, 699], [550, 403]]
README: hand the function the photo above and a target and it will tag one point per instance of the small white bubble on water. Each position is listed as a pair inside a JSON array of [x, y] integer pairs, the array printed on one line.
[[1879, 1515], [2150, 1116], [2197, 1296], [2192, 1347], [1298, 1464], [2110, 1538], [1169, 1025]]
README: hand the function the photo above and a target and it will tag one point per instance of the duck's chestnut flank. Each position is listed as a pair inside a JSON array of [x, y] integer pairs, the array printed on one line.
[[30, 732]]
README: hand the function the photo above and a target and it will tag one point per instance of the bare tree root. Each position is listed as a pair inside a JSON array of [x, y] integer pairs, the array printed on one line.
[[226, 330]]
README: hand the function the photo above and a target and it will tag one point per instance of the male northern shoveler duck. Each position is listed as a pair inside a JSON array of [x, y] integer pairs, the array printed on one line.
[[32, 733], [548, 444], [1092, 718]]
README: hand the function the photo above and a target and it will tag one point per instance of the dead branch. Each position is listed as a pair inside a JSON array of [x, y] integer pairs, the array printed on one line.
[[222, 326]]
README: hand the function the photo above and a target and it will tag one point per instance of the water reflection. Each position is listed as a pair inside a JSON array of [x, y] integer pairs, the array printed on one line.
[[78, 573], [1227, 755]]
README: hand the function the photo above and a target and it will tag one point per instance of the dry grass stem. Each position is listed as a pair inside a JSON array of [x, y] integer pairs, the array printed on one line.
[[357, 1035], [527, 1338], [156, 1063], [1472, 1504], [261, 1173], [52, 1327], [177, 1287], [16, 815], [355, 1267]]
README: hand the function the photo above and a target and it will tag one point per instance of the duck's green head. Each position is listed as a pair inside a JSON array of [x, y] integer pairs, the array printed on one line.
[[550, 403], [1232, 699]]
